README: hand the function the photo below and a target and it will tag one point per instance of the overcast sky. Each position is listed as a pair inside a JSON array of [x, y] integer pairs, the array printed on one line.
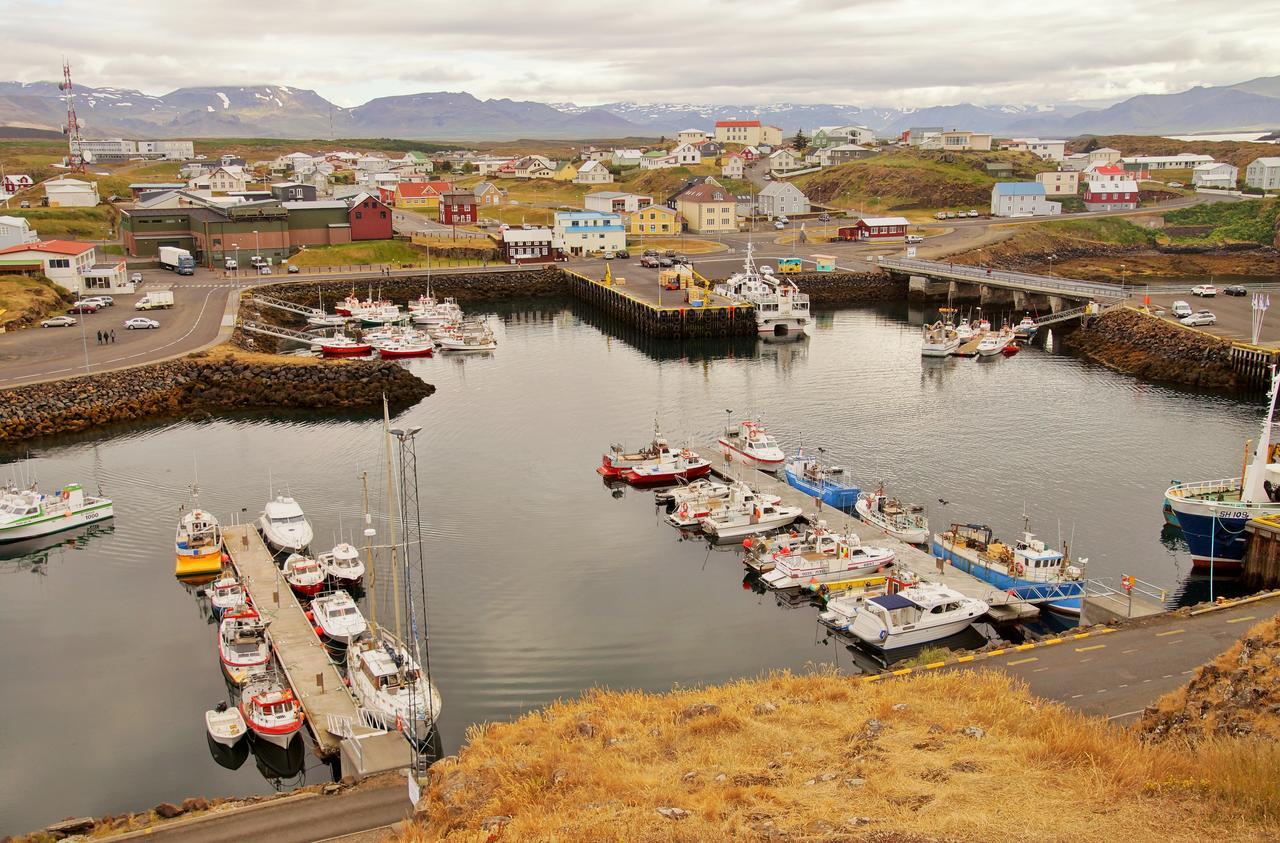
[[860, 52]]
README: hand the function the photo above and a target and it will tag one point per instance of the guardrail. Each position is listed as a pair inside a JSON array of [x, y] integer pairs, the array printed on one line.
[[274, 331], [1022, 280]]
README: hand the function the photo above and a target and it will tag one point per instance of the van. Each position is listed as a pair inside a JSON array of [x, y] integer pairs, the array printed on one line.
[[156, 299], [1181, 309], [915, 238], [230, 264]]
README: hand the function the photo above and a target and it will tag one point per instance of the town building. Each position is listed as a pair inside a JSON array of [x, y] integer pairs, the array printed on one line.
[[1111, 196], [657, 159], [707, 208], [220, 180], [568, 171], [1049, 150], [748, 132], [920, 135], [843, 153], [691, 136], [488, 195], [1021, 199], [710, 149], [686, 154], [458, 208], [781, 199], [15, 231], [369, 218], [121, 149], [733, 166], [292, 191], [1217, 174], [782, 160], [528, 245], [593, 172], [142, 189], [828, 136], [615, 202], [1061, 183], [875, 228], [1075, 161], [64, 192], [1095, 173], [626, 157], [14, 183], [419, 194], [533, 167], [957, 140], [1103, 155], [653, 221], [1263, 173], [999, 169], [588, 232], [1181, 161], [71, 265]]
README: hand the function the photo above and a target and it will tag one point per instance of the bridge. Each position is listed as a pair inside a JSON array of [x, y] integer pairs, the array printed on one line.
[[1019, 282]]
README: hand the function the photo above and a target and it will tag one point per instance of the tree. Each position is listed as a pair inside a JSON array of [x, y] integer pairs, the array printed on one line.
[[800, 142]]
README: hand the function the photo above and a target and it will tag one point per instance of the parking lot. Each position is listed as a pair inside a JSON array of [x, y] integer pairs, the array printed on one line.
[[1234, 314]]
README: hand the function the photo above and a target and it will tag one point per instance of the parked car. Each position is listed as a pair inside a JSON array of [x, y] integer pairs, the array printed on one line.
[[650, 253], [96, 301], [665, 262], [624, 254], [107, 301], [941, 215], [83, 307], [141, 322], [1236, 290], [58, 322], [609, 255], [1181, 309], [293, 269], [136, 278], [1175, 184], [264, 270], [779, 225], [973, 212], [915, 238], [651, 261], [1200, 317], [824, 218], [1207, 291], [680, 259], [670, 253]]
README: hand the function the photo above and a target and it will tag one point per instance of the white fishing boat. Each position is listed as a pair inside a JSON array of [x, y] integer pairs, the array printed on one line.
[[303, 574], [242, 644], [30, 513], [326, 320], [388, 683], [761, 518], [739, 499], [939, 340], [425, 310], [905, 522], [915, 615], [396, 347], [990, 345], [225, 725], [850, 559], [337, 618], [270, 709], [780, 308], [697, 489], [198, 543], [226, 595], [284, 526], [964, 331], [763, 554], [467, 337], [343, 565], [341, 345], [749, 443], [617, 461], [673, 467]]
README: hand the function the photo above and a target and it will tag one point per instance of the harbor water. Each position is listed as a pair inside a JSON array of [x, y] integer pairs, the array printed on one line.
[[543, 582]]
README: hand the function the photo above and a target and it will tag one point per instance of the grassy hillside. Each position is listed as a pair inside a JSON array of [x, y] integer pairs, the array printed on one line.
[[1253, 221], [942, 756], [1238, 153], [69, 223], [25, 301], [443, 252]]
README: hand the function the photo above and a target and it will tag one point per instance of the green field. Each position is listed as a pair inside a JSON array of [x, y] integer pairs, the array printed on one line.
[[375, 252], [1112, 230], [1251, 221], [69, 223]]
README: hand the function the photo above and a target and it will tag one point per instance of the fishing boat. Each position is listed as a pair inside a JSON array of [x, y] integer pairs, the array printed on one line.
[[388, 683], [797, 569], [326, 320], [468, 337], [226, 595], [1029, 567], [381, 313], [242, 644], [697, 489], [762, 517], [425, 310], [337, 618], [1166, 510], [342, 565], [270, 709], [284, 526], [1026, 329], [939, 340], [671, 467], [990, 345], [964, 331], [763, 554], [1213, 513], [749, 443], [395, 348], [341, 345], [905, 522], [30, 513], [740, 498], [617, 461], [198, 543], [915, 615], [779, 306], [304, 574], [225, 725], [827, 483], [843, 599]]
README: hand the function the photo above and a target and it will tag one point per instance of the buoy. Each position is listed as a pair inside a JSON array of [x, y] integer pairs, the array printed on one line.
[[319, 632], [747, 542]]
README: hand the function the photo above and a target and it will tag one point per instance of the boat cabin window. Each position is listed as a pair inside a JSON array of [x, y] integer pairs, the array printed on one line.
[[288, 519]]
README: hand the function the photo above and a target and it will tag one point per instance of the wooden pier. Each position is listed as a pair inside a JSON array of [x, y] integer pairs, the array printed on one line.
[[1004, 607], [331, 711], [664, 313]]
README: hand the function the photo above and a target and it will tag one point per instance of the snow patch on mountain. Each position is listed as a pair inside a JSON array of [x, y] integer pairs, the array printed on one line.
[[226, 103]]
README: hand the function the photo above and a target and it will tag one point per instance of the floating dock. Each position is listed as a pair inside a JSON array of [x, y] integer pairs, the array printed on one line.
[[335, 719], [665, 313], [1004, 607]]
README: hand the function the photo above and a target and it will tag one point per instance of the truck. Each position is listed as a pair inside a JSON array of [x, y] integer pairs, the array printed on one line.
[[155, 300], [177, 260]]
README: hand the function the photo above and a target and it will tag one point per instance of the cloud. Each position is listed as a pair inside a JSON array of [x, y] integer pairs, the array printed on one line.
[[860, 52]]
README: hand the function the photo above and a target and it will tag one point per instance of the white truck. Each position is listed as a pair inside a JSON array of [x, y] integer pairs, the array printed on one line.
[[177, 260], [155, 300]]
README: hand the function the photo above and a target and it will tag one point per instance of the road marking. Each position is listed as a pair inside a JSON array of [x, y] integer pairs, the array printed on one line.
[[1130, 650], [1090, 647], [1240, 620], [1167, 676], [1125, 714], [1101, 691], [1122, 686], [1040, 670], [1170, 632], [1185, 672], [1076, 696], [1023, 661]]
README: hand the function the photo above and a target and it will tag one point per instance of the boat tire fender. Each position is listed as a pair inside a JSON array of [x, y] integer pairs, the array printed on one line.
[[884, 634]]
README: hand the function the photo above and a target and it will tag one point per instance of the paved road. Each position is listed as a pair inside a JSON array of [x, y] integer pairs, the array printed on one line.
[[1234, 313]]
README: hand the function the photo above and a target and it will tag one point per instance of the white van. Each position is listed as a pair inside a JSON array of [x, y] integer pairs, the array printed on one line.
[[915, 238], [1181, 309]]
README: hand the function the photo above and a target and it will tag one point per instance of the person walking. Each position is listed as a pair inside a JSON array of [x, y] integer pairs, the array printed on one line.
[[99, 338], [113, 334]]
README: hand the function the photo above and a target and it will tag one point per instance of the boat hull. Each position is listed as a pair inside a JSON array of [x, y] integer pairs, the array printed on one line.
[[49, 526], [281, 736], [1215, 535], [345, 350], [780, 326], [734, 454], [843, 498], [663, 478], [193, 564], [868, 632], [396, 354], [738, 531], [914, 535], [1069, 606]]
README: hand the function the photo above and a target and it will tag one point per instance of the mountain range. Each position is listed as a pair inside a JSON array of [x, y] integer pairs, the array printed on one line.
[[288, 112]]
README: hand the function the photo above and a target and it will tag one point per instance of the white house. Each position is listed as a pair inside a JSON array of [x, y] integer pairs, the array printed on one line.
[[780, 199], [658, 162], [71, 193], [1181, 161], [626, 157], [1103, 155], [732, 166], [686, 153], [1215, 174], [299, 163], [1263, 173], [691, 136], [71, 265], [1061, 183], [14, 231], [615, 202], [782, 160], [1021, 199], [220, 180], [593, 172], [588, 232], [1049, 150]]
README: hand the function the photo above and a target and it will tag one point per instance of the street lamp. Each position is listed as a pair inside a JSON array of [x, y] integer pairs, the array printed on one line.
[[257, 246], [1052, 258], [1122, 278], [236, 246]]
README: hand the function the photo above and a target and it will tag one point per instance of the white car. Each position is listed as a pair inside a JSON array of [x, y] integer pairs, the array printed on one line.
[[915, 238], [1181, 309], [1175, 184], [1206, 290], [136, 278], [264, 270], [1200, 317], [779, 225], [140, 322], [58, 322], [100, 301]]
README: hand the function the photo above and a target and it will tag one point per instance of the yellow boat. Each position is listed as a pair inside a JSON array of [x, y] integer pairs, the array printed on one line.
[[871, 584]]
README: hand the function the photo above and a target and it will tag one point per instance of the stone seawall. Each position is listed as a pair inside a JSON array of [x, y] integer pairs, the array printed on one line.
[[837, 288], [208, 384], [1156, 349], [477, 286]]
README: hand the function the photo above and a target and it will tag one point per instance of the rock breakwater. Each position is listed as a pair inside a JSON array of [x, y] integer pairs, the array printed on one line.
[[840, 288], [1153, 348]]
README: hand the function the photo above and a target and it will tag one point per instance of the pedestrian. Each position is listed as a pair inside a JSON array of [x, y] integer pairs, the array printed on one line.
[[113, 334], [817, 501], [99, 338]]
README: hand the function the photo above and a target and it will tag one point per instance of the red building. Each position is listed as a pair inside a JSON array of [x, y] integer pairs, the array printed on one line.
[[370, 218], [875, 228], [458, 208]]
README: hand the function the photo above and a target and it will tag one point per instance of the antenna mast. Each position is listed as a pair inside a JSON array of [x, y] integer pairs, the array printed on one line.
[[75, 153]]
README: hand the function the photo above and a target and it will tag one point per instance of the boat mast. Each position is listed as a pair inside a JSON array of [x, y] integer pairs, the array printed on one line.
[[369, 533], [1251, 488], [395, 567]]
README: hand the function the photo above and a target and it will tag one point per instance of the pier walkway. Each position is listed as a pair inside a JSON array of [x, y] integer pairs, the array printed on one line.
[[664, 313], [1048, 285], [331, 711]]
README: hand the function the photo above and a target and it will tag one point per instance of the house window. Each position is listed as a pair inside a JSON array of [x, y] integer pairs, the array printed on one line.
[[359, 214], [59, 263]]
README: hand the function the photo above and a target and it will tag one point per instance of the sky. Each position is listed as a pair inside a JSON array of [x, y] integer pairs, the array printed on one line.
[[896, 53]]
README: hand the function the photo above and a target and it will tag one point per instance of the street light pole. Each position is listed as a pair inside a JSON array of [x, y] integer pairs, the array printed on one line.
[[257, 247]]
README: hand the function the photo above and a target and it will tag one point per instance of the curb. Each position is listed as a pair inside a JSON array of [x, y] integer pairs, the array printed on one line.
[[990, 654], [1228, 604]]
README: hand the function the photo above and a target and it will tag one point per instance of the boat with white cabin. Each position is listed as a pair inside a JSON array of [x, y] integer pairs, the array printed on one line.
[[388, 683], [284, 526], [750, 443], [904, 521], [697, 489], [337, 618], [780, 308], [343, 565], [242, 644], [617, 461], [467, 337], [270, 709], [29, 513], [850, 559], [761, 517], [670, 467], [739, 498], [1029, 568], [303, 574], [939, 340], [827, 483], [915, 615], [763, 554], [198, 542], [226, 595]]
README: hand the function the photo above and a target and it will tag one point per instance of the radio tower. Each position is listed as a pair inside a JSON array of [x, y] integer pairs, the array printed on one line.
[[75, 158]]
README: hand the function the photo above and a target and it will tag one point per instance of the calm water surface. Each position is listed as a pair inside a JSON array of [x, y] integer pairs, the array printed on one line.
[[542, 581]]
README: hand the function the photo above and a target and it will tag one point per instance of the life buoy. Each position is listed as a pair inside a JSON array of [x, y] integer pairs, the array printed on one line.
[[684, 510], [66, 495], [1018, 566]]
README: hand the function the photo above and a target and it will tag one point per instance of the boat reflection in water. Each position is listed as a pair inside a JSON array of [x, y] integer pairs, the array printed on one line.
[[230, 757], [283, 767], [32, 555]]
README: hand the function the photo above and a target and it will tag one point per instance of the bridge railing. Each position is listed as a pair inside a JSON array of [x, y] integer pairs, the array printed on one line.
[[1021, 279]]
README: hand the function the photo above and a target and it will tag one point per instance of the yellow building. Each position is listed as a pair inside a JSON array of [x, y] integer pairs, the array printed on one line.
[[748, 133], [653, 221], [566, 173], [708, 209]]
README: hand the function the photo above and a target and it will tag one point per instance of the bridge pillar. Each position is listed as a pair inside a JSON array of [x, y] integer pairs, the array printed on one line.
[[994, 295], [1021, 300], [1057, 303], [921, 288]]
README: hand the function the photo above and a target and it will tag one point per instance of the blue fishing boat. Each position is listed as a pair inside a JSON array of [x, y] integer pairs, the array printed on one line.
[[827, 483], [1029, 568], [1170, 517]]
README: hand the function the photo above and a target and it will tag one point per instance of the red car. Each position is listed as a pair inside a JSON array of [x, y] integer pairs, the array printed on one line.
[[83, 307]]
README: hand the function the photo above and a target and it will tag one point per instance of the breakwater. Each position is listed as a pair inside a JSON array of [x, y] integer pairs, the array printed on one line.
[[478, 286], [828, 289], [202, 384], [1156, 349]]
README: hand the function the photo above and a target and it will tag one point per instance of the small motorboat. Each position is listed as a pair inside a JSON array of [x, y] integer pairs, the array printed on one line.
[[691, 512], [467, 337], [697, 489], [851, 558], [617, 461], [990, 345], [939, 340], [827, 483], [1026, 329], [337, 618], [198, 543], [343, 565], [905, 522], [270, 709], [749, 443], [226, 595], [425, 310], [341, 345], [670, 468], [242, 644], [284, 526], [964, 331], [303, 574], [397, 348], [1009, 350], [389, 685], [760, 518], [326, 320], [225, 725], [915, 615], [763, 554]]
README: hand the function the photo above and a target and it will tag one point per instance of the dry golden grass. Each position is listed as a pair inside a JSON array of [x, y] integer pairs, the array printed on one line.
[[819, 757], [684, 245]]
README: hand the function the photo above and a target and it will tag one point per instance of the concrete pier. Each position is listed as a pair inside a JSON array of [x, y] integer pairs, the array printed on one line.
[[664, 313]]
